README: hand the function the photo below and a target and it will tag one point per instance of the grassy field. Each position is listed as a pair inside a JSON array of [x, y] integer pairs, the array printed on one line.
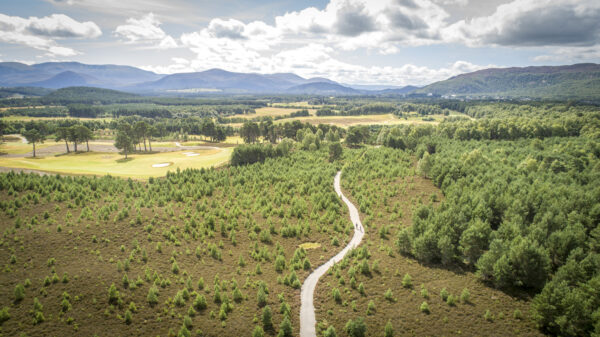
[[273, 112], [347, 121], [22, 148], [136, 166], [197, 141], [304, 105]]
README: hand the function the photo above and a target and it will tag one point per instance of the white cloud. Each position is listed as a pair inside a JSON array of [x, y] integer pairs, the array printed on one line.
[[570, 54], [452, 2], [230, 29], [305, 42], [529, 23], [42, 33], [353, 24], [145, 31], [170, 10]]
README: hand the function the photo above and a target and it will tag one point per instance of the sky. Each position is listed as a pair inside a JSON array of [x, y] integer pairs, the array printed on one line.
[[383, 42]]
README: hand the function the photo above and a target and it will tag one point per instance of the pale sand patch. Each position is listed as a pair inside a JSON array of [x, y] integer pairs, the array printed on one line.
[[310, 245], [162, 164]]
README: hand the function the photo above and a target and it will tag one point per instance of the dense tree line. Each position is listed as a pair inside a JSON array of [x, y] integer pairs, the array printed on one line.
[[161, 127], [252, 131], [258, 153], [36, 112], [85, 110], [582, 123]]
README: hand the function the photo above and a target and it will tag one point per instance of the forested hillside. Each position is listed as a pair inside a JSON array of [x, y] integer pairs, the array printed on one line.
[[580, 81]]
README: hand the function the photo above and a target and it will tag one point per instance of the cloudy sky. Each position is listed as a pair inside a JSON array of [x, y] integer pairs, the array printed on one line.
[[396, 42]]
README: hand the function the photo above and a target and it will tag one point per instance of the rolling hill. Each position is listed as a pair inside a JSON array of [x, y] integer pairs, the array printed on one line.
[[57, 75], [322, 88], [218, 80], [88, 95], [572, 81], [64, 74]]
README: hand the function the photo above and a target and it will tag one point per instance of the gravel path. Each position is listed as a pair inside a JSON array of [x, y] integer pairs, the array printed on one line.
[[307, 309]]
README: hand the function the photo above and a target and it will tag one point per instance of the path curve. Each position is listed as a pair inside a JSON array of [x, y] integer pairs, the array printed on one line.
[[307, 310]]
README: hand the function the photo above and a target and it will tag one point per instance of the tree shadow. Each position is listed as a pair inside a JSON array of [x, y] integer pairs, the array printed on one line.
[[124, 160]]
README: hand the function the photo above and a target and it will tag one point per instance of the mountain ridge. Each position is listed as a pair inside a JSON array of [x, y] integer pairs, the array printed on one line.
[[580, 81], [577, 80]]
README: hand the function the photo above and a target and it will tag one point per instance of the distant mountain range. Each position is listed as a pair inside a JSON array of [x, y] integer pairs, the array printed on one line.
[[574, 81], [63, 74], [56, 75]]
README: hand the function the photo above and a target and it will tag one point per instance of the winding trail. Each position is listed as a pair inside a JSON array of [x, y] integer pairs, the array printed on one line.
[[308, 321]]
